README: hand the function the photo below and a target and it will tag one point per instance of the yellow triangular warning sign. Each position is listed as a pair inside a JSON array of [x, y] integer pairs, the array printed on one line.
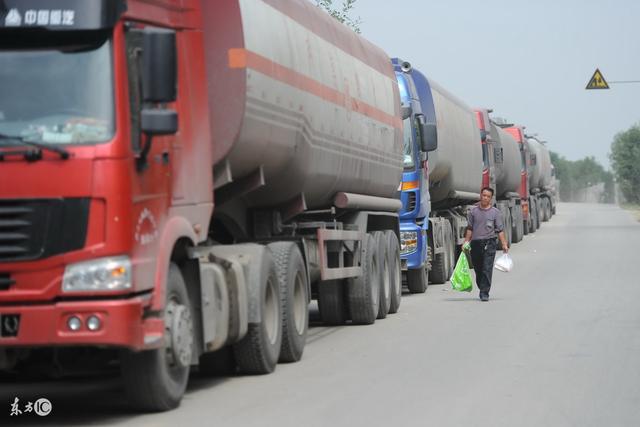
[[597, 81]]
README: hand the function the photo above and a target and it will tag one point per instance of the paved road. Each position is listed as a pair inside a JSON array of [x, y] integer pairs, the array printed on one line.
[[557, 345]]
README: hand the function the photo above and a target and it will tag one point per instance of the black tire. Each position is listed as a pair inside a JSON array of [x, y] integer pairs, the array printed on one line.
[[217, 363], [395, 271], [155, 380], [294, 299], [383, 274], [510, 233], [440, 268], [451, 253], [364, 292], [516, 231], [547, 210], [258, 352], [332, 302], [417, 280]]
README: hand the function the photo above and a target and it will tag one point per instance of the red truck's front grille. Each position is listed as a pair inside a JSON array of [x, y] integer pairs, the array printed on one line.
[[32, 229], [15, 221], [5, 281]]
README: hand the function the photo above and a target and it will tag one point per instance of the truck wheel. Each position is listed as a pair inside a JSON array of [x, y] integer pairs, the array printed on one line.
[[517, 228], [440, 269], [155, 380], [332, 302], [364, 291], [294, 298], [547, 210], [417, 280], [217, 363], [383, 274], [257, 353], [510, 228], [395, 272], [451, 252]]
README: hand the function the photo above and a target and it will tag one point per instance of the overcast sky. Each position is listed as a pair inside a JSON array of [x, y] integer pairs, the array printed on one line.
[[529, 60]]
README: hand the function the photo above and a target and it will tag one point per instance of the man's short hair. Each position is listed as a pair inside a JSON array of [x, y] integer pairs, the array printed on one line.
[[489, 189]]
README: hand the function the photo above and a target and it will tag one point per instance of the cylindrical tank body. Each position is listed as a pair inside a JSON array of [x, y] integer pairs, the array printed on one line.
[[508, 163], [455, 168], [296, 93], [542, 166]]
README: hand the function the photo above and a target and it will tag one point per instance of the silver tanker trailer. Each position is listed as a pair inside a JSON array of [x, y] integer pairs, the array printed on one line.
[[306, 132], [541, 184], [455, 178]]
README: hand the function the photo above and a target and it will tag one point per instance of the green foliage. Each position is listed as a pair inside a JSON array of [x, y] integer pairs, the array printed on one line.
[[342, 13], [581, 174], [625, 160]]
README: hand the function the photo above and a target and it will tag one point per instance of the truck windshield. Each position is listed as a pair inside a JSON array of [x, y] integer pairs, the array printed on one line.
[[408, 144], [57, 88]]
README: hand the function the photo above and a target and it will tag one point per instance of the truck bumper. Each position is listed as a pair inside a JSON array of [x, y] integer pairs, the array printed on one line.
[[415, 259], [121, 324]]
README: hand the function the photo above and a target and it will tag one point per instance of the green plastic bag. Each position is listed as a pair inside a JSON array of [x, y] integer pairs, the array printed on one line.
[[461, 279]]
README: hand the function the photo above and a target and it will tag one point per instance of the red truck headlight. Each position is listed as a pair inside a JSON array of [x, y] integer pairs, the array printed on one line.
[[104, 274]]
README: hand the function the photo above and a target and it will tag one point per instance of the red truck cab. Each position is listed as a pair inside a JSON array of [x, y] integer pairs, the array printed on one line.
[[488, 173], [101, 186], [518, 133]]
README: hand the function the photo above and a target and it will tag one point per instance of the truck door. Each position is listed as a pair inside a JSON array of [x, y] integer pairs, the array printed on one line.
[[151, 178]]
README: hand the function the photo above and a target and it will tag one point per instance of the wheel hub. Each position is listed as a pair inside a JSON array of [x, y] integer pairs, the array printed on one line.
[[179, 334]]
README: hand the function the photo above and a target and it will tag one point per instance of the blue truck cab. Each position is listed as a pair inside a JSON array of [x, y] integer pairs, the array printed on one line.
[[420, 137]]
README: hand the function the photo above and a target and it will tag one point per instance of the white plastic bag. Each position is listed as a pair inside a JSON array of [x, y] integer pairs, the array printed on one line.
[[504, 263]]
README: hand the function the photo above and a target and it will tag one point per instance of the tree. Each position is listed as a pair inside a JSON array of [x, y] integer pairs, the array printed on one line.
[[342, 14], [576, 176], [564, 175], [625, 160], [609, 195]]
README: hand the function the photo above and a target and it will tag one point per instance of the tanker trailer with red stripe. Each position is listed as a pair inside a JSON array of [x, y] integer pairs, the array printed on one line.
[[178, 178]]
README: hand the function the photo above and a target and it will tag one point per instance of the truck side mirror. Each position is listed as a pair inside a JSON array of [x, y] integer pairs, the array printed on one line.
[[430, 139], [159, 122], [428, 134], [159, 65]]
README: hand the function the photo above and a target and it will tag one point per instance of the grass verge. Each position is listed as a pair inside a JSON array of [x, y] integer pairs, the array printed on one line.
[[634, 209]]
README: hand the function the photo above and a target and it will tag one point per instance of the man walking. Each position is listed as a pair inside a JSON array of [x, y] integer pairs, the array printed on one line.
[[485, 222]]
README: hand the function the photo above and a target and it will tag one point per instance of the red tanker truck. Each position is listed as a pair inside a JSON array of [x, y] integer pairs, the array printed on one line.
[[502, 168], [178, 178], [529, 206]]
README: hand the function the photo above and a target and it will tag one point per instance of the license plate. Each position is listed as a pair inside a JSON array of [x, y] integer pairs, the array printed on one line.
[[9, 325]]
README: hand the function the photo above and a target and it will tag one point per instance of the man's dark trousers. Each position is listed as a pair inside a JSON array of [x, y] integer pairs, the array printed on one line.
[[483, 252]]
